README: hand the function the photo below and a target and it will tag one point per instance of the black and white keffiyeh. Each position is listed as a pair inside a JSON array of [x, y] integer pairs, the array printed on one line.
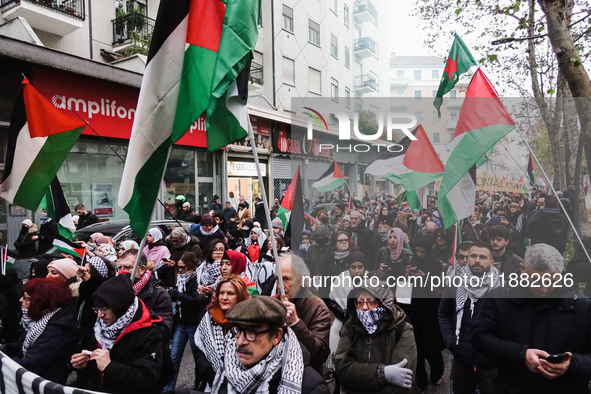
[[25, 319], [181, 281], [106, 335], [211, 340], [371, 318], [99, 265], [210, 273], [286, 356], [36, 329], [261, 240], [208, 233]]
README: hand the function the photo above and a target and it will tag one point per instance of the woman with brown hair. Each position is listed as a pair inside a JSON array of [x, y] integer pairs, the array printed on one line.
[[214, 329], [47, 343]]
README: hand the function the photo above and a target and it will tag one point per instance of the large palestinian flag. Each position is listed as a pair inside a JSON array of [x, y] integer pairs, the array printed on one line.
[[483, 121], [54, 202], [40, 138], [198, 49], [414, 166], [331, 179]]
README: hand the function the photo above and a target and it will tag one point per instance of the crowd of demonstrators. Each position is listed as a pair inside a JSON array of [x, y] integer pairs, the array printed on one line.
[[218, 288]]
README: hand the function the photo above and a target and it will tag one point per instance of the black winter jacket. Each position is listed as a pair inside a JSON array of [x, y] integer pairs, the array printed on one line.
[[158, 302], [549, 226], [191, 303], [507, 324], [49, 355]]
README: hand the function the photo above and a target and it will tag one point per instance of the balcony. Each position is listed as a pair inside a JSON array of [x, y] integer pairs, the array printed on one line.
[[453, 102], [365, 11], [255, 78], [132, 26], [451, 124], [58, 17], [365, 47], [366, 83]]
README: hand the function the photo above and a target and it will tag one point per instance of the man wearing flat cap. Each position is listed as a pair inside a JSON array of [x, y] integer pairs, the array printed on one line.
[[263, 355], [128, 354]]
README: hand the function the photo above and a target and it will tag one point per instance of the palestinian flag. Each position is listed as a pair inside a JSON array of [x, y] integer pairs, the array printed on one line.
[[40, 138], [54, 202], [415, 166], [417, 199], [198, 49], [331, 179], [458, 62], [530, 171], [68, 247], [483, 121], [284, 211], [459, 202]]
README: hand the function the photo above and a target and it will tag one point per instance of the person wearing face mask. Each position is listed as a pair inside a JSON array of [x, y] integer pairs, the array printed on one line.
[[304, 248], [213, 331], [47, 232], [377, 351], [25, 242], [320, 252]]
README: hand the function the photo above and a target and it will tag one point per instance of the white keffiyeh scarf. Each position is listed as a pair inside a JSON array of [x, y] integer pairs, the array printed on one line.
[[36, 329], [211, 340], [372, 318], [286, 356], [106, 335], [181, 281], [213, 230], [99, 265], [210, 273]]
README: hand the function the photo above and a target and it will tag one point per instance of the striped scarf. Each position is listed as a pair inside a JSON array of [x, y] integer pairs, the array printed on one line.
[[285, 357], [106, 335], [36, 329], [211, 340]]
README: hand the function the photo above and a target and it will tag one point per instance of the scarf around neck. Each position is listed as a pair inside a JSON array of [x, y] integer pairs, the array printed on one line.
[[137, 287], [106, 335], [213, 230], [372, 318], [341, 255], [285, 357], [210, 273], [211, 339], [181, 281], [36, 329]]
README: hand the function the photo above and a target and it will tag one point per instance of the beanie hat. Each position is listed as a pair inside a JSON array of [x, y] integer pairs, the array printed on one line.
[[67, 267], [115, 293], [238, 261], [187, 204], [207, 220], [27, 222], [277, 223], [248, 225], [353, 257]]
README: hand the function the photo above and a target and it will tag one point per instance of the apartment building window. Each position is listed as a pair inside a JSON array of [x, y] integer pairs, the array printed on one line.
[[346, 15], [347, 97], [451, 135], [418, 94], [419, 116], [435, 118], [333, 6], [453, 94], [400, 93], [434, 74], [287, 22], [314, 84], [313, 32], [435, 138], [433, 93], [334, 46], [417, 75], [288, 71], [358, 105], [399, 73], [347, 57], [453, 115], [334, 89]]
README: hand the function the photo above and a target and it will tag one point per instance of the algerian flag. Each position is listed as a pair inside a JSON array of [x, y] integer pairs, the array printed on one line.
[[198, 48], [54, 202], [458, 62], [331, 179], [287, 204], [483, 121], [40, 138], [414, 166]]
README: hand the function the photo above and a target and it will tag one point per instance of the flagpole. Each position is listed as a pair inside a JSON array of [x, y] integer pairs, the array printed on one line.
[[266, 205], [554, 191], [138, 256]]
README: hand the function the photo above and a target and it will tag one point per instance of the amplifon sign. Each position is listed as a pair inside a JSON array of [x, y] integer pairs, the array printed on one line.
[[109, 108]]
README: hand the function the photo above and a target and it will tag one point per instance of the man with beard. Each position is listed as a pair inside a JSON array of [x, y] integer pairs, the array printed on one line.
[[130, 353], [521, 326], [229, 215], [85, 218], [456, 316], [505, 260]]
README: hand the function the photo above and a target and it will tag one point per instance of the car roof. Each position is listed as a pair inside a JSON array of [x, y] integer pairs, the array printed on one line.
[[116, 228]]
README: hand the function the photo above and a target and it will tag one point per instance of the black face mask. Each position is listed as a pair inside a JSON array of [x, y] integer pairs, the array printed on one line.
[[322, 241]]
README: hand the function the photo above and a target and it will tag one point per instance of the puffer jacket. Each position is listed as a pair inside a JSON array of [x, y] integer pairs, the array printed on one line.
[[361, 357]]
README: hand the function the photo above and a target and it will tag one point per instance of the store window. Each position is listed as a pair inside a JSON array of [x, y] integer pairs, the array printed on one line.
[[179, 179]]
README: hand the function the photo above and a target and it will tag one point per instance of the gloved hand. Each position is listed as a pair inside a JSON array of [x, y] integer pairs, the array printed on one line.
[[398, 375]]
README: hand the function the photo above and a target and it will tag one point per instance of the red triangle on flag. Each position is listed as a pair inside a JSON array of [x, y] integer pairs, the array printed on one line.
[[288, 198], [337, 171], [421, 156]]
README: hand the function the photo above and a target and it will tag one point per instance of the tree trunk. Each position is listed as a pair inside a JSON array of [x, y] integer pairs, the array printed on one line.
[[570, 64]]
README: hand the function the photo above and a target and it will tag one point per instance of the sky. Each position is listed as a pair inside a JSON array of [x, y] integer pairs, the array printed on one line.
[[406, 36]]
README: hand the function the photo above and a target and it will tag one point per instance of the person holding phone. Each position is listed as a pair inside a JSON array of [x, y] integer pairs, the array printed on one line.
[[537, 331]]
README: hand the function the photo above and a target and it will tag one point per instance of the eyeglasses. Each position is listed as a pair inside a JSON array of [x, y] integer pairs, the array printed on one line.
[[97, 310], [182, 267], [219, 250], [461, 257], [127, 267], [343, 240], [370, 303], [250, 335]]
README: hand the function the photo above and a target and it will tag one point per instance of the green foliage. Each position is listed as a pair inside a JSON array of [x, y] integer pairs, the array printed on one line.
[[139, 44], [577, 61]]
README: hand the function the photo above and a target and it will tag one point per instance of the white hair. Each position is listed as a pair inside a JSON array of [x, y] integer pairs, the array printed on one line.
[[544, 258]]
